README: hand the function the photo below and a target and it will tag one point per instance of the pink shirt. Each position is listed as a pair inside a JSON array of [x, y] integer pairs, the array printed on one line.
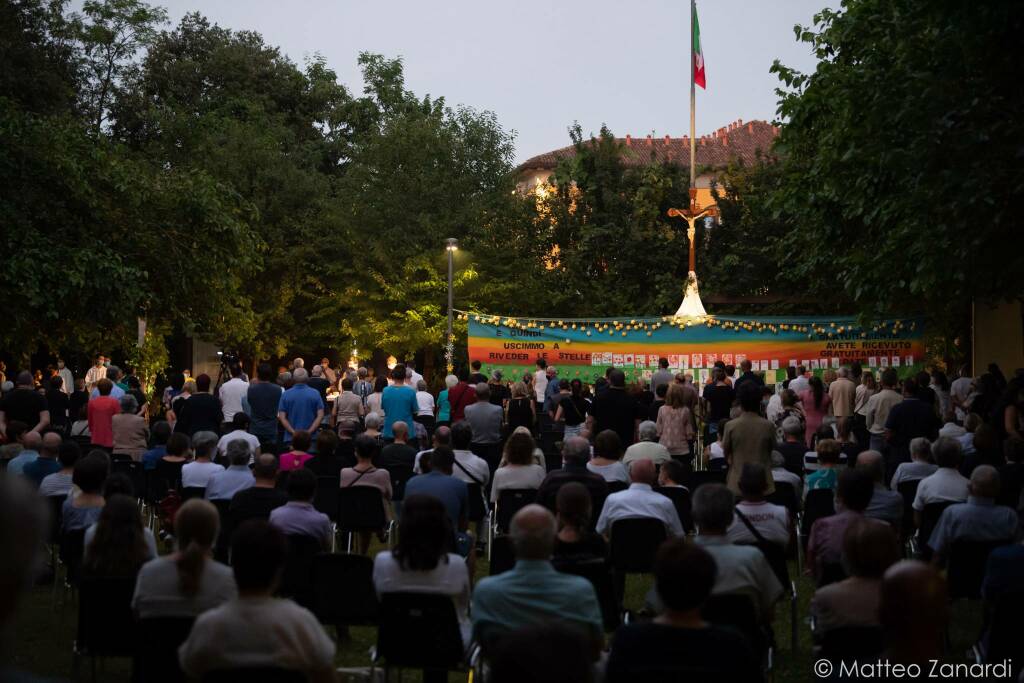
[[675, 429], [293, 460]]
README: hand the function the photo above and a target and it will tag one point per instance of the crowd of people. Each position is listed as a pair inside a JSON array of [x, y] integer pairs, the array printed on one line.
[[875, 486]]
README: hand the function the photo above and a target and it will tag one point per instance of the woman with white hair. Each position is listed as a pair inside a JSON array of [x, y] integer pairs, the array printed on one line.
[[131, 433], [425, 407], [920, 465], [443, 409]]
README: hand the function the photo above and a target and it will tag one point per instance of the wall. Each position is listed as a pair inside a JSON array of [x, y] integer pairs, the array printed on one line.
[[998, 336]]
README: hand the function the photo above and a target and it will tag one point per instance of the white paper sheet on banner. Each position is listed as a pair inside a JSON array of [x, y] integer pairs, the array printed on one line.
[[775, 363], [835, 363], [684, 361], [873, 361], [883, 362], [895, 361], [697, 360], [640, 360]]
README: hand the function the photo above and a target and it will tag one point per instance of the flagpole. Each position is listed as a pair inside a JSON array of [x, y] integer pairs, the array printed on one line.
[[693, 103]]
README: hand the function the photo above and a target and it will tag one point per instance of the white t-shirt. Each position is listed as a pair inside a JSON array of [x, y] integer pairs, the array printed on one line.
[[947, 485], [540, 384], [798, 384], [222, 445], [615, 471], [716, 450], [426, 403], [231, 394], [516, 477], [198, 473], [771, 521], [158, 590], [449, 577], [472, 464], [257, 632]]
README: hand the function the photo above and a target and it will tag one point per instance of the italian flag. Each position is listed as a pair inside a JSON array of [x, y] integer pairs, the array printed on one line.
[[698, 54]]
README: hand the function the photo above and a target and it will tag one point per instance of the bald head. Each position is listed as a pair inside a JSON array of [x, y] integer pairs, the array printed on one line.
[[442, 436], [32, 441], [642, 471], [872, 463], [913, 611], [984, 482], [533, 533], [51, 444], [400, 430], [265, 468]]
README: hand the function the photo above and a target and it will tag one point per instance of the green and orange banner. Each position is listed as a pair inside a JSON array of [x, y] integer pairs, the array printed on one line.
[[587, 348]]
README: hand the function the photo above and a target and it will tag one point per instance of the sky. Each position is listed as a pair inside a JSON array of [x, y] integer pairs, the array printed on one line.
[[540, 66]]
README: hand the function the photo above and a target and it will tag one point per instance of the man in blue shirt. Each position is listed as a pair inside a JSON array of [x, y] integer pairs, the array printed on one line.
[[262, 400], [301, 407], [237, 477], [452, 493], [31, 443], [979, 519], [398, 402], [533, 592]]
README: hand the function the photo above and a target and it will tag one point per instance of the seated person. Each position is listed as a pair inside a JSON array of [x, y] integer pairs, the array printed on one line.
[[679, 645], [914, 612], [469, 467], [519, 470], [825, 545], [742, 569], [258, 500], [647, 447], [239, 430], [196, 474], [825, 472], [533, 592], [399, 458], [117, 547], [298, 517], [187, 582], [420, 563], [237, 477], [158, 437], [639, 501], [885, 504], [671, 475], [607, 460], [783, 475], [452, 493], [298, 455], [84, 509], [868, 550], [59, 483], [946, 485], [715, 451], [575, 454], [365, 474], [979, 519], [119, 484], [920, 465], [544, 653], [257, 629], [771, 521], [575, 541], [793, 447], [326, 462], [46, 463]]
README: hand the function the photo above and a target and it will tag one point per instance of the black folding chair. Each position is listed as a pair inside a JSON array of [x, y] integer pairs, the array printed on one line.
[[785, 495], [106, 624], [680, 498], [72, 548], [157, 658], [221, 550], [817, 504], [326, 499], [418, 631], [510, 501], [136, 472], [598, 572], [617, 486], [1004, 641], [929, 518], [851, 643], [343, 592], [966, 569], [400, 475], [503, 556], [190, 492], [908, 489], [296, 581], [475, 502], [697, 478], [634, 543], [167, 476], [740, 612], [361, 508], [251, 674]]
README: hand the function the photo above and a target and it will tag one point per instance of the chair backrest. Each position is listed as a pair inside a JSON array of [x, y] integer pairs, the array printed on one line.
[[190, 492], [250, 674], [739, 612], [72, 548], [106, 624], [598, 572], [158, 642], [503, 556], [617, 486], [296, 581], [56, 506], [360, 508], [166, 476], [680, 498], [929, 518], [818, 503], [634, 542], [967, 563], [908, 489], [511, 501], [695, 479], [475, 501], [852, 643], [326, 498], [136, 472], [400, 474], [785, 495], [343, 592], [775, 554], [419, 630]]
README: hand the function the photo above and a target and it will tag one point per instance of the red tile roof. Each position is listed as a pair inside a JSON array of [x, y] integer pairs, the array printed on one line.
[[738, 140]]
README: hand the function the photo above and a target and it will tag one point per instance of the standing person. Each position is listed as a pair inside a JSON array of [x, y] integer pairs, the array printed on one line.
[[130, 430], [521, 410], [425, 403], [24, 404], [444, 406], [749, 438], [263, 398], [67, 379], [499, 391], [412, 378], [615, 409], [57, 402], [540, 383], [79, 399], [201, 412], [348, 406], [867, 388], [747, 375], [959, 391], [117, 389], [398, 401], [908, 419], [719, 397], [97, 372], [662, 376], [374, 402], [816, 403], [876, 410], [485, 419], [476, 376], [571, 408], [800, 383], [460, 396], [101, 414], [231, 394], [319, 382], [675, 423], [301, 407], [842, 393], [329, 374], [362, 387], [551, 391]]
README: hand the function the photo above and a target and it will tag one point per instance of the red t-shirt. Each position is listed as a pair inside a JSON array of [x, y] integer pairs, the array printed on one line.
[[101, 412], [460, 396]]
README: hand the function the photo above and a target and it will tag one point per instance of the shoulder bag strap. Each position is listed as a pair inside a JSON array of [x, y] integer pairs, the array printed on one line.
[[754, 531]]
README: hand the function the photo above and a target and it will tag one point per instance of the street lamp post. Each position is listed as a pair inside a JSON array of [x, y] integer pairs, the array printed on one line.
[[449, 342]]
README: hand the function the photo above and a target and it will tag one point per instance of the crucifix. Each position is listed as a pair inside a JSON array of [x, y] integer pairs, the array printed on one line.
[[692, 306]]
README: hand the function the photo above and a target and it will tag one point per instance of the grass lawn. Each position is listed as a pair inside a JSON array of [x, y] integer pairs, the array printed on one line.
[[41, 639]]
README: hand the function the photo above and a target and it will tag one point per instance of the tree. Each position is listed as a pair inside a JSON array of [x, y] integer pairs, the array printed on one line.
[[902, 155]]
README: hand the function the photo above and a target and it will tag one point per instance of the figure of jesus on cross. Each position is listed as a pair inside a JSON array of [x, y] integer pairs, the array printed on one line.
[[692, 306]]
